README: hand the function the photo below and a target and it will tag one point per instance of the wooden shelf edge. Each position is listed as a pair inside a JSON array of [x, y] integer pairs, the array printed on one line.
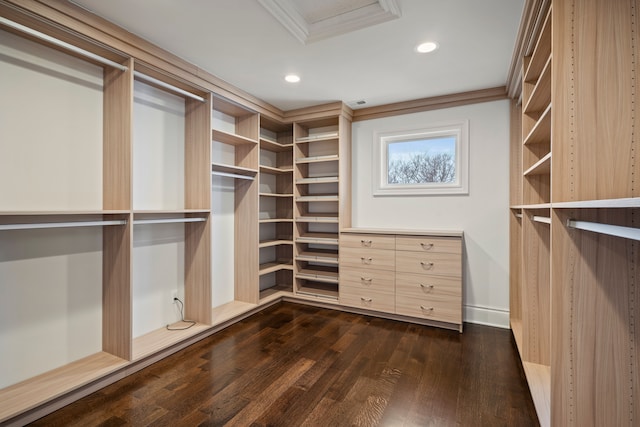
[[154, 341], [539, 380], [541, 129], [36, 391], [541, 167]]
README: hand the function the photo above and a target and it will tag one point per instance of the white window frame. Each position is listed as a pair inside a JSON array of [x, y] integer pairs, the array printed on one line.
[[459, 129]]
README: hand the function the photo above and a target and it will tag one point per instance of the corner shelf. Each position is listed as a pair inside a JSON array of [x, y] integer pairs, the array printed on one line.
[[541, 167], [233, 171]]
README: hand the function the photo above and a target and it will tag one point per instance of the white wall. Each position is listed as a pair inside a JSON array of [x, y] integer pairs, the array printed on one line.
[[482, 214]]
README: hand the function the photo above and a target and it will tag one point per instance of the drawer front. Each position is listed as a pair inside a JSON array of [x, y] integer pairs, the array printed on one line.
[[446, 245], [376, 280], [427, 286], [425, 308], [429, 263], [367, 299], [368, 259], [369, 241]]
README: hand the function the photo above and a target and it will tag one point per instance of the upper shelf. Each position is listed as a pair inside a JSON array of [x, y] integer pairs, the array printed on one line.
[[317, 159], [541, 94], [233, 171], [541, 132], [541, 167], [541, 53], [275, 146], [231, 139], [328, 136]]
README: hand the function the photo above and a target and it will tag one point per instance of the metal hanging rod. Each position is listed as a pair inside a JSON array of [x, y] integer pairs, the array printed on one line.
[[233, 175], [62, 44], [542, 219], [611, 230], [172, 88], [37, 225], [167, 220]]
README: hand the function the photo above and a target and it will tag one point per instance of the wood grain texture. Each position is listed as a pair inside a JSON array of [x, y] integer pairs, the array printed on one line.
[[515, 154], [117, 138], [594, 124], [197, 155], [355, 295], [117, 315], [515, 272], [344, 174], [197, 271], [536, 288], [380, 280], [293, 365], [595, 367], [32, 392]]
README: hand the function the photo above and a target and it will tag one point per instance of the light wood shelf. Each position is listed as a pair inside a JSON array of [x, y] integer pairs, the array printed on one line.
[[162, 338], [321, 238], [541, 167], [276, 195], [541, 131], [539, 379], [280, 264], [318, 159], [328, 136], [322, 255], [275, 220], [42, 388], [318, 198], [276, 242], [541, 93], [231, 139], [241, 172], [541, 53], [318, 180], [270, 169], [314, 289], [275, 292], [275, 146], [320, 218]]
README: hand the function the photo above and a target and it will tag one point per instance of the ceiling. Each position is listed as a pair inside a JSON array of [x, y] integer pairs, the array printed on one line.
[[241, 42]]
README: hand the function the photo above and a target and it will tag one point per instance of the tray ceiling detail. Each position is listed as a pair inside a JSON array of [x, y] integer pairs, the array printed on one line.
[[313, 20]]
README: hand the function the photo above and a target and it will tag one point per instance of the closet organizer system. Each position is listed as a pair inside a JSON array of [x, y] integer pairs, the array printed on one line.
[[106, 212], [574, 213]]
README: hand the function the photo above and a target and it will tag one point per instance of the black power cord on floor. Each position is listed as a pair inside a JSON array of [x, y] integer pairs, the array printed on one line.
[[190, 322]]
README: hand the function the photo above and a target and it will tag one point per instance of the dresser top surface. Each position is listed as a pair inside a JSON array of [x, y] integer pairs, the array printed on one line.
[[403, 231]]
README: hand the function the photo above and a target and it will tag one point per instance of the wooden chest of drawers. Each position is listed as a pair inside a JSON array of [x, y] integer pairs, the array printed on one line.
[[409, 273]]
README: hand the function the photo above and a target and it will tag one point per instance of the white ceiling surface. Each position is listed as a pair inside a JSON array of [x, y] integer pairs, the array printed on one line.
[[240, 42]]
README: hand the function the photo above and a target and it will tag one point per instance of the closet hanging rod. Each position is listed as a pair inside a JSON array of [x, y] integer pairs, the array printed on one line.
[[62, 44], [611, 230], [38, 225], [167, 220], [232, 175], [542, 219], [172, 88], [519, 215]]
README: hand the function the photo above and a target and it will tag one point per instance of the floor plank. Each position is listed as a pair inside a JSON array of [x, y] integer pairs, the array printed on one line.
[[297, 365]]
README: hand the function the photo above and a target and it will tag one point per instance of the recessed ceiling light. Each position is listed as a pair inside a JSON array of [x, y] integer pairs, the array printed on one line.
[[427, 47], [292, 78]]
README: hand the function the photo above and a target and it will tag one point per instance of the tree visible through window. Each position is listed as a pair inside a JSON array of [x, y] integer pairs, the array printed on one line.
[[432, 160], [422, 161]]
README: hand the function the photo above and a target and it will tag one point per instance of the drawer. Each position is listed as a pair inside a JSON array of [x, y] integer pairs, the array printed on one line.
[[423, 285], [376, 280], [429, 263], [433, 309], [367, 259], [371, 241], [367, 299], [447, 245]]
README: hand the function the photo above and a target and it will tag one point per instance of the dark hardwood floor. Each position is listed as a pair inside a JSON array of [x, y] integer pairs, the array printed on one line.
[[297, 365]]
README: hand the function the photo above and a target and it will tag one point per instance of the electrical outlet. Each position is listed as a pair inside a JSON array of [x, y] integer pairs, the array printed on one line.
[[174, 295]]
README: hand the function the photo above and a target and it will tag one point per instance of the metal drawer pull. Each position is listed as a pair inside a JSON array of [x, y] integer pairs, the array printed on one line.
[[427, 265], [426, 246], [426, 308], [366, 242], [366, 279], [366, 299], [429, 287], [366, 260]]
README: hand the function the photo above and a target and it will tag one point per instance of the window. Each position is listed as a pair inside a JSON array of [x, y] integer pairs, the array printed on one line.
[[432, 160]]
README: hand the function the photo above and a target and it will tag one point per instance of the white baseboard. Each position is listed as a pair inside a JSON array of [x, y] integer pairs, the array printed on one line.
[[489, 316]]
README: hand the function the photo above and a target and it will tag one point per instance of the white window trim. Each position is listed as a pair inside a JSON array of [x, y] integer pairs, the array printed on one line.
[[380, 162]]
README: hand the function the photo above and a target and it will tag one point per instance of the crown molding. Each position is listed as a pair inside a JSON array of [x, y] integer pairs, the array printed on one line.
[[308, 32]]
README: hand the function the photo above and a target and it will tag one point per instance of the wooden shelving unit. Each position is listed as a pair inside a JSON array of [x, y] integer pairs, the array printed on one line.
[[319, 167], [276, 208], [573, 291]]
